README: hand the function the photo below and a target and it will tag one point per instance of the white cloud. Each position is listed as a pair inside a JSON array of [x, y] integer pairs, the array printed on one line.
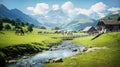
[[30, 8], [85, 11], [98, 7], [114, 10], [69, 8], [40, 8], [55, 7]]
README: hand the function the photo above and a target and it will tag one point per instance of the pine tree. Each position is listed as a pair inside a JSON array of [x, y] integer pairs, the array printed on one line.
[[30, 28], [1, 25], [7, 27]]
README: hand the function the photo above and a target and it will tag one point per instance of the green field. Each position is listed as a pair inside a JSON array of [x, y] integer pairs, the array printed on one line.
[[8, 38], [12, 45], [100, 58]]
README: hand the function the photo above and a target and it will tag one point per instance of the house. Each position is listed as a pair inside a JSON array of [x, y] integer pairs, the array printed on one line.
[[108, 25], [89, 30]]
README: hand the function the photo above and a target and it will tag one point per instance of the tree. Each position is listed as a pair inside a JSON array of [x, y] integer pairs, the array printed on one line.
[[30, 28], [1, 25], [7, 27], [118, 18], [7, 20], [22, 24], [18, 20], [42, 27], [13, 22], [27, 24], [56, 28]]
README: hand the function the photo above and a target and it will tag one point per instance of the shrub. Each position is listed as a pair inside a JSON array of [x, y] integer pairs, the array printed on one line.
[[1, 25], [7, 27]]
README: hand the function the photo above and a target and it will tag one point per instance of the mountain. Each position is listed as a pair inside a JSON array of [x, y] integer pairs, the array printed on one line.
[[15, 13], [5, 12], [80, 22], [111, 16], [24, 17], [52, 18]]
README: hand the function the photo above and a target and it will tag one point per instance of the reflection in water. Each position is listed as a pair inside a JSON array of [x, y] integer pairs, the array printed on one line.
[[66, 49]]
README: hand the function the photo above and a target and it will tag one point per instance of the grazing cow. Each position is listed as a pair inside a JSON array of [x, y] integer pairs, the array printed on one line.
[[19, 31], [39, 32], [68, 32], [57, 60], [58, 31]]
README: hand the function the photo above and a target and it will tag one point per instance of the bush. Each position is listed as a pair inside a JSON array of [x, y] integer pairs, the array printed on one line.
[[7, 27], [1, 25], [30, 28], [42, 27], [2, 59]]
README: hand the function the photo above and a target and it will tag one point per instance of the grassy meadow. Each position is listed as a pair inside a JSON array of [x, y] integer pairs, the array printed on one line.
[[9, 38], [100, 58], [12, 45]]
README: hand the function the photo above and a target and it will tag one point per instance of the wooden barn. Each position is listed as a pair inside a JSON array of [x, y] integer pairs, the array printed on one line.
[[108, 25], [89, 30]]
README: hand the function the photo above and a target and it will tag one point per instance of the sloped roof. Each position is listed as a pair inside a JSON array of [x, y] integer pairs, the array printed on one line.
[[87, 28], [110, 22]]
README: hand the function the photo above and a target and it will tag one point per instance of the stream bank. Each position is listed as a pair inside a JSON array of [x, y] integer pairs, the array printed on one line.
[[65, 49]]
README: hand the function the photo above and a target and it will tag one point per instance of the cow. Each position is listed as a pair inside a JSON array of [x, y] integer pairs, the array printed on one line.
[[57, 60]]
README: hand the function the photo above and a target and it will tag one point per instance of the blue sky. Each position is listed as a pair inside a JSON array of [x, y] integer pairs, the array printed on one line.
[[23, 4], [72, 8]]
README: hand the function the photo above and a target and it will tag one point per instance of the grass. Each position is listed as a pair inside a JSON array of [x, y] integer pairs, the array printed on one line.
[[8, 38], [12, 45], [100, 58]]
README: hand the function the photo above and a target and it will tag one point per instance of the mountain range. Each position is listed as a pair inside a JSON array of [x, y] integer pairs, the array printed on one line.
[[60, 19], [16, 14], [54, 18]]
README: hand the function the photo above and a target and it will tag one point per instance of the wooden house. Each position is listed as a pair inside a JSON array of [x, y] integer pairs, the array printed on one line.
[[89, 30], [108, 25]]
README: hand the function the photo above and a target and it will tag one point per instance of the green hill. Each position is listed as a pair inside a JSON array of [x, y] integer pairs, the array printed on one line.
[[113, 16], [99, 58]]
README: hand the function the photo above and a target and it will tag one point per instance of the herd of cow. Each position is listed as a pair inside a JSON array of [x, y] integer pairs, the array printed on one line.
[[20, 31], [67, 32]]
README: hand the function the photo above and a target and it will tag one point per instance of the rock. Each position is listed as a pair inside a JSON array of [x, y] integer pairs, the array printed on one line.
[[47, 61], [57, 60], [74, 50], [12, 61], [85, 49]]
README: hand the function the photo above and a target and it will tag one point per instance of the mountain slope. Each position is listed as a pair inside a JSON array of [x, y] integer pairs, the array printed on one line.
[[5, 12], [80, 22], [52, 18], [112, 16], [15, 13], [24, 17]]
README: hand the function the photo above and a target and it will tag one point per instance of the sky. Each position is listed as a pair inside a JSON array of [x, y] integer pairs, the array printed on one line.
[[71, 7]]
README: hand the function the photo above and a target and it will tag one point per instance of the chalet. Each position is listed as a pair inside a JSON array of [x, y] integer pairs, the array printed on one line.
[[89, 30], [108, 25]]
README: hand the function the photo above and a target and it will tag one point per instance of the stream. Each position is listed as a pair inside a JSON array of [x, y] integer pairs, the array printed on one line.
[[65, 49]]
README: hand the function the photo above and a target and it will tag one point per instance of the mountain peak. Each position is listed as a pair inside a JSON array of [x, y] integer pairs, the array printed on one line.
[[2, 7], [15, 13]]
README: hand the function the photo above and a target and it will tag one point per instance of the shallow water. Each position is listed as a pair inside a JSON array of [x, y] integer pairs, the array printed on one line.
[[66, 49]]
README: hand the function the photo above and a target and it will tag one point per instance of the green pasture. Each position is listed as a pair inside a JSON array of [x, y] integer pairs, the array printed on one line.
[[100, 58], [9, 38]]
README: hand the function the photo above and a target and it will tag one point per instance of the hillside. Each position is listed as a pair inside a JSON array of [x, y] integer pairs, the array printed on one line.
[[112, 16], [80, 23], [99, 58], [15, 14]]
